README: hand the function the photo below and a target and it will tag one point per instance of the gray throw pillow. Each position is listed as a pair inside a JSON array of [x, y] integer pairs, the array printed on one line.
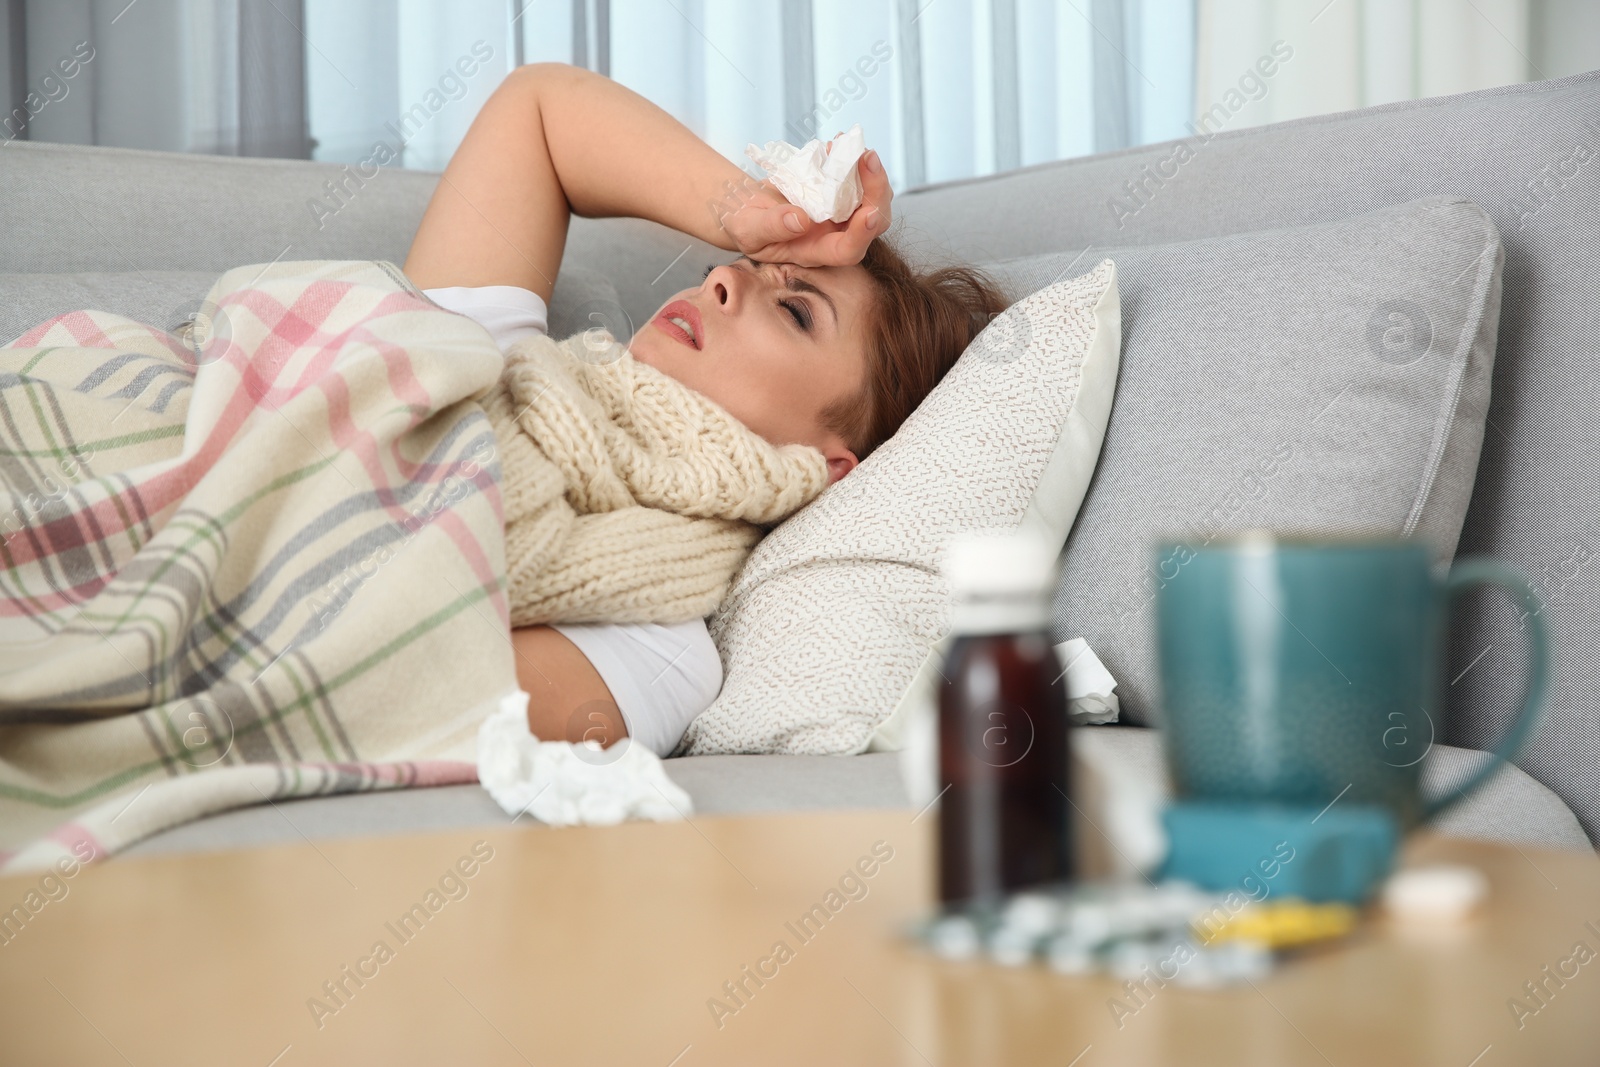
[[1323, 379]]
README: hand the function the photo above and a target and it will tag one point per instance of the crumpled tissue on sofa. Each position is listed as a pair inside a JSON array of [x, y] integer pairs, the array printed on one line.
[[563, 784]]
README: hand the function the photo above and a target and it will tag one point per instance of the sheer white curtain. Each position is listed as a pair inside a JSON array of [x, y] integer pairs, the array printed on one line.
[[1352, 53], [943, 88], [405, 74]]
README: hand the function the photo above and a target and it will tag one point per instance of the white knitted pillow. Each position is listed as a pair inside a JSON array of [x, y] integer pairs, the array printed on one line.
[[840, 610]]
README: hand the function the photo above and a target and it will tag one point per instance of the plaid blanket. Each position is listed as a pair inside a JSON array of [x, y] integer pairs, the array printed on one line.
[[261, 558]]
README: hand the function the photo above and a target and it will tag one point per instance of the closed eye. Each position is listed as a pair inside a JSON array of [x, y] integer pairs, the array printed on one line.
[[801, 313], [799, 310]]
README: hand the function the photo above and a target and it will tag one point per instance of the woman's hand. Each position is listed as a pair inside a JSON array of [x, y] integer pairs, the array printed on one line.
[[759, 229]]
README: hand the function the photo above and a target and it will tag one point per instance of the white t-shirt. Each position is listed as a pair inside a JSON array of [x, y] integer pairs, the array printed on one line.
[[660, 676]]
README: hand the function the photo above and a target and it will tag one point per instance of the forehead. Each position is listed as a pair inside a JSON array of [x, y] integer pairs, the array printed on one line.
[[851, 283], [850, 287]]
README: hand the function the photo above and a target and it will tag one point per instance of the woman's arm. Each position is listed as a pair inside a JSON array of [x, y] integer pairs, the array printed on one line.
[[555, 139], [567, 699]]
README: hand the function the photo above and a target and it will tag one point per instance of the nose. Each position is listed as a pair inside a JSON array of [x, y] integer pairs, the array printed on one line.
[[728, 285]]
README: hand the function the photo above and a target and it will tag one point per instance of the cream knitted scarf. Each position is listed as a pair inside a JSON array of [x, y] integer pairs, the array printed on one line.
[[629, 497]]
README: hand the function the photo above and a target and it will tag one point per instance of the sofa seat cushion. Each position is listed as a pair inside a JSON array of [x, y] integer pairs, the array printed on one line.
[[716, 784], [1510, 807]]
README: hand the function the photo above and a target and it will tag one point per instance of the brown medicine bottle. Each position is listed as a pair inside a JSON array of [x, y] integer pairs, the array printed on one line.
[[1004, 752]]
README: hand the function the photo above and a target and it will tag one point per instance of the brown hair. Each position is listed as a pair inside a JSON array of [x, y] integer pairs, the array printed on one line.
[[919, 325]]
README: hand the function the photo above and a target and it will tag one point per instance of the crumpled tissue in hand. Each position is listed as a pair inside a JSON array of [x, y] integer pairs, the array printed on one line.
[[826, 185], [562, 784]]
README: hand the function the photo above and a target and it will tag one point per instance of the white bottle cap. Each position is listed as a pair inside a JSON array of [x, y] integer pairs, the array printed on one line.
[[1000, 582]]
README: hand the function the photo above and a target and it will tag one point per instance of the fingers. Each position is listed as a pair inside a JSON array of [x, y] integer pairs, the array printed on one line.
[[760, 225], [812, 250], [781, 221], [875, 189], [848, 244]]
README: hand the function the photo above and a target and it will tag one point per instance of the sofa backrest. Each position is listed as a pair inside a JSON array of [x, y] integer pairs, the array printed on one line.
[[1529, 155], [68, 208]]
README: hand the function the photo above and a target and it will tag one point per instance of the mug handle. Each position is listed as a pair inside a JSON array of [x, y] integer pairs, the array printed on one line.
[[1469, 574]]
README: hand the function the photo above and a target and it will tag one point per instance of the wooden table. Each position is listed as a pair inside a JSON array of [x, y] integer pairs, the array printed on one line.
[[606, 945]]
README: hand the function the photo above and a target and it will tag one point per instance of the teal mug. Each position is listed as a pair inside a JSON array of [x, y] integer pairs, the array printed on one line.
[[1305, 672]]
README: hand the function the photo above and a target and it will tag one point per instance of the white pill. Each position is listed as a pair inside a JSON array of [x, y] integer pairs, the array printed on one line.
[[1012, 948], [1241, 960], [1033, 913], [1090, 924], [954, 938], [1440, 893], [1069, 957], [1199, 971], [1129, 959]]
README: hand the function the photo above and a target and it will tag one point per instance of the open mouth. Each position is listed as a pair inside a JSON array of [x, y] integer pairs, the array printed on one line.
[[680, 321]]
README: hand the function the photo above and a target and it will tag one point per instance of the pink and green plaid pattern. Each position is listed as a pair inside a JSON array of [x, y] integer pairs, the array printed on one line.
[[261, 559]]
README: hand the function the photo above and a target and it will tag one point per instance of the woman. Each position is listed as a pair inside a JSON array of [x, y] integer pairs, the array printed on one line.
[[817, 334]]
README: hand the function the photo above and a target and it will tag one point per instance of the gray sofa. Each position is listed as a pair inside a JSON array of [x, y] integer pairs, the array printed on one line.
[[145, 233]]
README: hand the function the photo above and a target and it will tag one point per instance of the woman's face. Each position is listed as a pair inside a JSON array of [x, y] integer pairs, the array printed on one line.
[[773, 343]]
